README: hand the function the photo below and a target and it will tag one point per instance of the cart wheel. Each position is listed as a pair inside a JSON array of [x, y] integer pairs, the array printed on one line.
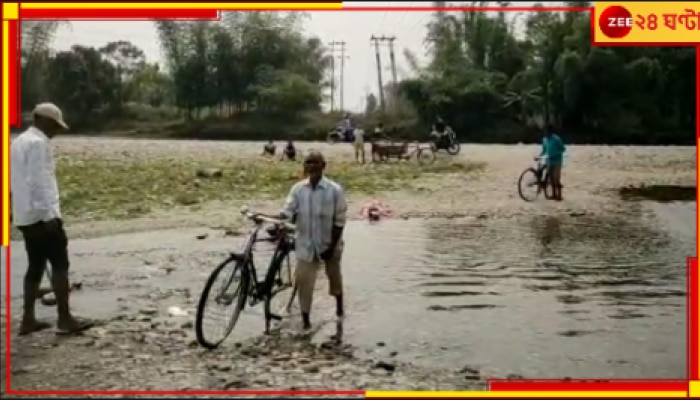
[[425, 156]]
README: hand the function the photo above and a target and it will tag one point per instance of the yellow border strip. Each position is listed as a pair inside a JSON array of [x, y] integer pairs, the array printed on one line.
[[397, 394], [241, 6], [5, 134], [10, 11]]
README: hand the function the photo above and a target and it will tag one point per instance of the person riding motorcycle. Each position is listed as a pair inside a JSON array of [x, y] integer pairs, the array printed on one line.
[[442, 131], [346, 128]]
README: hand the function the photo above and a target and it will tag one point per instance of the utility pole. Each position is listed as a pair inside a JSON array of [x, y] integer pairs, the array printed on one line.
[[379, 70], [333, 44], [393, 60], [342, 58]]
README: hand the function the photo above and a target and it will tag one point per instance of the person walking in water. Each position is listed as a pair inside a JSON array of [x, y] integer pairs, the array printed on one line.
[[553, 150], [319, 206], [36, 213]]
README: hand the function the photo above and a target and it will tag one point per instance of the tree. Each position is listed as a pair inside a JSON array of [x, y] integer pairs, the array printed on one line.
[[493, 85], [371, 104]]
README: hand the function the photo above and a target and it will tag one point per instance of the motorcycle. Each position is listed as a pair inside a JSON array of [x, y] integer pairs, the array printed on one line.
[[338, 134], [447, 142]]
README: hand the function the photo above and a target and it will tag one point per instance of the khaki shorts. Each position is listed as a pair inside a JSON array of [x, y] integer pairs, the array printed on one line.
[[359, 146], [306, 272]]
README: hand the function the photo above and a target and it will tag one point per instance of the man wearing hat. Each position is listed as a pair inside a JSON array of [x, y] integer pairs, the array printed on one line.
[[36, 213]]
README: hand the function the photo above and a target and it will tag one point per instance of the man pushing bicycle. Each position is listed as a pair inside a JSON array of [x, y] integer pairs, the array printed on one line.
[[553, 151], [320, 209]]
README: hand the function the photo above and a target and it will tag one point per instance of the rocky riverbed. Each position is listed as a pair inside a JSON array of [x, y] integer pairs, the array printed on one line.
[[140, 346]]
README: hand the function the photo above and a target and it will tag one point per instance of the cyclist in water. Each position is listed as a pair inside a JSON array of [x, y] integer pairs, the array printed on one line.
[[553, 149]]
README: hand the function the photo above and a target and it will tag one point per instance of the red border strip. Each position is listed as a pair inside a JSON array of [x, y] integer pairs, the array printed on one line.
[[483, 9], [182, 392], [13, 51], [692, 310], [8, 315], [116, 13]]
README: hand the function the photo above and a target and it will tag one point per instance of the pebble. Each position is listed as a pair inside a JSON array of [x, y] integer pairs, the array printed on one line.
[[149, 311], [385, 366]]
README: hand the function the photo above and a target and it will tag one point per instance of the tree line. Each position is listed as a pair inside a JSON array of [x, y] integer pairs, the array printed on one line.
[[256, 75], [494, 84]]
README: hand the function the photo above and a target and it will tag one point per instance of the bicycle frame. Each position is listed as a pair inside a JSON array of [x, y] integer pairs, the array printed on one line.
[[258, 290]]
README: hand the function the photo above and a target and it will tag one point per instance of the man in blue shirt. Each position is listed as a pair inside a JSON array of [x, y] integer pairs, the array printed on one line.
[[553, 149]]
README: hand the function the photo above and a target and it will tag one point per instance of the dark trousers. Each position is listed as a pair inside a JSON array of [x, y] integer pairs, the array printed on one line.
[[43, 246]]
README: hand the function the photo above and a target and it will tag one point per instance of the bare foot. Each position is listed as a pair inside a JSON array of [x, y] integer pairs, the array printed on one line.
[[28, 327], [74, 325]]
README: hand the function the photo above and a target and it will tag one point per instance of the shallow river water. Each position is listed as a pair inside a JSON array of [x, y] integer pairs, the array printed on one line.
[[540, 296]]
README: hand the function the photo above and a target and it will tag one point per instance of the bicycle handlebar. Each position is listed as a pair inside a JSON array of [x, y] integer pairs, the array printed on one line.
[[260, 218]]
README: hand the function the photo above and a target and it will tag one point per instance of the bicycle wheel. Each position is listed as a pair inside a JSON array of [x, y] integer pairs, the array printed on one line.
[[227, 287], [425, 156], [279, 302], [529, 185]]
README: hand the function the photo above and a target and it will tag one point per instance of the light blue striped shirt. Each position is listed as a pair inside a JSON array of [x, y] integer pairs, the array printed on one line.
[[317, 212]]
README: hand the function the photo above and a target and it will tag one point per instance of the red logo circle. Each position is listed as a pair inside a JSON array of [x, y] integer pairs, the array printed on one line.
[[615, 22]]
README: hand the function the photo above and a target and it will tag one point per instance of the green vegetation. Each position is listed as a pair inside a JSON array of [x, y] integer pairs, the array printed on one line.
[[255, 75], [98, 188]]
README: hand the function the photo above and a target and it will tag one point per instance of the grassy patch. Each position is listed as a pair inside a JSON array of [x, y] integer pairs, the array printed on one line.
[[94, 188]]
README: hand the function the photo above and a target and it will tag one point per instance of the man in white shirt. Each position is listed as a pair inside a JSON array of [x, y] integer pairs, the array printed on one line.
[[320, 210], [359, 144], [36, 212]]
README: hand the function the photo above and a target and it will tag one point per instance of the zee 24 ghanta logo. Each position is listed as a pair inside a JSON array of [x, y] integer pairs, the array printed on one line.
[[616, 22]]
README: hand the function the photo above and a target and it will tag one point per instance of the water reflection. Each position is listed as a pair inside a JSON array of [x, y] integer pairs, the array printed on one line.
[[608, 261], [548, 231]]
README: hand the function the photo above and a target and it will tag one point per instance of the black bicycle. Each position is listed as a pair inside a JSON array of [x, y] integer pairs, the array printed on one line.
[[533, 181], [236, 280]]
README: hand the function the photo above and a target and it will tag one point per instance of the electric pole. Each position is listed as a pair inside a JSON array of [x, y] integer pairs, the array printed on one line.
[[342, 58], [379, 70], [333, 49], [393, 60]]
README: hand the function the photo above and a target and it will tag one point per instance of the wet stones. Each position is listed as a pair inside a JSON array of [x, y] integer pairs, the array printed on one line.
[[387, 366], [150, 311], [234, 384]]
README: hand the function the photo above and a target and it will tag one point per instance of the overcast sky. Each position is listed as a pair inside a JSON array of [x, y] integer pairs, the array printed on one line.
[[355, 28]]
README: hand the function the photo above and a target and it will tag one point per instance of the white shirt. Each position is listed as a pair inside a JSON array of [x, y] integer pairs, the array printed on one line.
[[317, 212], [359, 136], [33, 183]]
